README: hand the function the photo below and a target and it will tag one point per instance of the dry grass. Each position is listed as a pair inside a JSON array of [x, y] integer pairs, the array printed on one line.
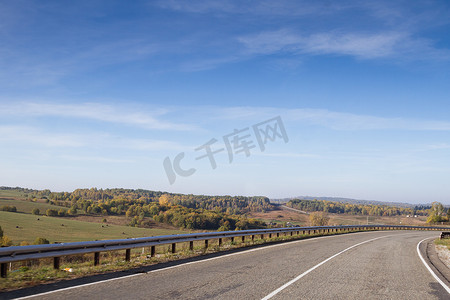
[[25, 227]]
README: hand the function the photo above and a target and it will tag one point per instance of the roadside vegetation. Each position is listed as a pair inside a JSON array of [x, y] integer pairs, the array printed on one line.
[[443, 242]]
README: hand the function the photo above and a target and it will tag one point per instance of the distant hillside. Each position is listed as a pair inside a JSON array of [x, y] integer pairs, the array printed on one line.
[[350, 201], [140, 206], [355, 208]]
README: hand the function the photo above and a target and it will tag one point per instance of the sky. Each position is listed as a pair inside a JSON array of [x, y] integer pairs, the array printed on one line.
[[272, 98]]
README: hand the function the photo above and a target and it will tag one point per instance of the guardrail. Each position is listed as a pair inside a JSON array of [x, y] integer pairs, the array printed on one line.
[[55, 251]]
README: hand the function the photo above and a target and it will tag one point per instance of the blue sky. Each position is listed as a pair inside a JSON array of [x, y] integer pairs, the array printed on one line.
[[100, 93]]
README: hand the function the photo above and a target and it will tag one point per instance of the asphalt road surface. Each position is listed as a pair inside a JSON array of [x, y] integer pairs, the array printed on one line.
[[369, 265]]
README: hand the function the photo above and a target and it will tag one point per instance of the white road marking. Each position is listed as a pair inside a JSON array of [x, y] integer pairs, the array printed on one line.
[[76, 286], [429, 269], [185, 264], [316, 266]]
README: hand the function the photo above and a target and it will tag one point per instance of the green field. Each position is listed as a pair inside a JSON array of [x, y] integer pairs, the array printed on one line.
[[28, 206], [12, 193], [73, 231]]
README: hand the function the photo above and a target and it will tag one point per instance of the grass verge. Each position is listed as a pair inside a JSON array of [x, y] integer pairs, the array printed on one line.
[[443, 242]]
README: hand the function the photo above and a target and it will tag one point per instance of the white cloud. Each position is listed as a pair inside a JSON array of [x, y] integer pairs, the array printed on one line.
[[326, 118], [100, 159], [95, 111], [12, 135], [32, 136], [151, 145], [387, 44]]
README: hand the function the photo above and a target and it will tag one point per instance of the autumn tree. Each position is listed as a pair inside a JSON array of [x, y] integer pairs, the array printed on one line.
[[164, 199], [436, 213], [319, 219]]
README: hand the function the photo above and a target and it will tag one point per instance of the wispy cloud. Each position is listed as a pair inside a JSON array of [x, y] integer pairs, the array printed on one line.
[[360, 45], [263, 7], [32, 136], [101, 159], [95, 111], [11, 135], [329, 119], [289, 155], [440, 146]]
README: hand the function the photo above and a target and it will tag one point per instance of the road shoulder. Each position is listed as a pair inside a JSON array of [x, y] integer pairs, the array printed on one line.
[[429, 253]]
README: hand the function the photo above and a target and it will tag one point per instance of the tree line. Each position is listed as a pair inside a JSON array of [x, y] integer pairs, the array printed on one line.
[[142, 206], [355, 209]]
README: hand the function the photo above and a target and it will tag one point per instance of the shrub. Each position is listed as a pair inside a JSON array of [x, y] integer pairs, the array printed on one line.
[[52, 212], [8, 208], [41, 241], [35, 211], [6, 241]]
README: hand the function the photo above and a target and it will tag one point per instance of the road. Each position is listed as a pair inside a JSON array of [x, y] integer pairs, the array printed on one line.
[[369, 265], [294, 209]]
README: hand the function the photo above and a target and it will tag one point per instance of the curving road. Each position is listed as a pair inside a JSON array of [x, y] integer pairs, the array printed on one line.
[[369, 265]]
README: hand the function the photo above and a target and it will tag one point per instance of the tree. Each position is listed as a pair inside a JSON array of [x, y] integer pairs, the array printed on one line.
[[436, 213], [73, 210], [164, 199], [35, 211], [319, 219]]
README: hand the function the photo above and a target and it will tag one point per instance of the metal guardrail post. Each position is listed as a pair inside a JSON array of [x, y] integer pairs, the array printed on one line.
[[174, 247], [127, 254], [232, 239], [206, 244], [152, 251], [191, 245], [4, 270], [56, 261], [253, 237], [243, 238], [96, 258], [220, 242]]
